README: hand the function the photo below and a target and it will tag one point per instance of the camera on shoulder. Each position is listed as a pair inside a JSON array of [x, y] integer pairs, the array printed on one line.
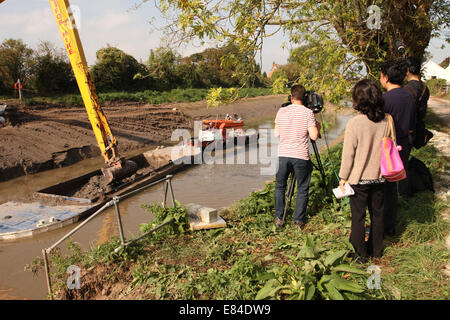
[[313, 101]]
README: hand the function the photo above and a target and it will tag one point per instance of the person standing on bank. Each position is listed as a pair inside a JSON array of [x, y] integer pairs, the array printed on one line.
[[360, 167], [294, 125], [421, 94], [402, 107]]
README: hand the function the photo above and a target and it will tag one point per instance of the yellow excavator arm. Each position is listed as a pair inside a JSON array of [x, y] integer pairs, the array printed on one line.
[[117, 168]]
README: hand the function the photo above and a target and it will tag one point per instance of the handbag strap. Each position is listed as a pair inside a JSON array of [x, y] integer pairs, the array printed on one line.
[[424, 88], [386, 128], [389, 131]]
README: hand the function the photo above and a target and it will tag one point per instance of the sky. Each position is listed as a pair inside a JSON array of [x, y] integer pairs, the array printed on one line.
[[119, 24]]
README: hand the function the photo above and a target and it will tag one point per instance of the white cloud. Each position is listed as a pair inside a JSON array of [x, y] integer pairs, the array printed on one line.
[[118, 29], [33, 23]]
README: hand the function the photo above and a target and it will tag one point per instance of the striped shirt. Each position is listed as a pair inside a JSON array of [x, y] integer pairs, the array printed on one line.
[[293, 122]]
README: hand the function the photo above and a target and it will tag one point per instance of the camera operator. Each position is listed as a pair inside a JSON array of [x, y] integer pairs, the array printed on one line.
[[295, 124]]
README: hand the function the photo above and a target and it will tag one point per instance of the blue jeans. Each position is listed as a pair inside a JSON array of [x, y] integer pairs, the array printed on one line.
[[302, 169]]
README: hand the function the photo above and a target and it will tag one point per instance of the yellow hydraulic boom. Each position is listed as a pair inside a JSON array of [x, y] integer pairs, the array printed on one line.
[[117, 167]]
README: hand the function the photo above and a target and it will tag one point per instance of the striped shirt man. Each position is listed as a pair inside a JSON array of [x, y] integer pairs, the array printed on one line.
[[292, 123]]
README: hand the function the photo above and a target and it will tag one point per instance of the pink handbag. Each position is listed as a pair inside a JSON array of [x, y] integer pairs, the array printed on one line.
[[391, 164]]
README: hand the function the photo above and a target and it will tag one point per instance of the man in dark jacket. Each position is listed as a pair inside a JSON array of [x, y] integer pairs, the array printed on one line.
[[401, 106], [421, 94]]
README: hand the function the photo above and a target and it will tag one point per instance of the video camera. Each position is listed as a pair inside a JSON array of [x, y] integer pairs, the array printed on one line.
[[400, 47], [313, 101]]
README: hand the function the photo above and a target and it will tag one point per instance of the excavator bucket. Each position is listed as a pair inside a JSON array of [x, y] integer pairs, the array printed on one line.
[[119, 170]]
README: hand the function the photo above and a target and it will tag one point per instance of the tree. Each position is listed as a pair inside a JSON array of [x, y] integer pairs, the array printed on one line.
[[52, 72], [116, 70], [187, 74], [15, 63], [209, 67], [345, 30], [162, 65], [445, 63]]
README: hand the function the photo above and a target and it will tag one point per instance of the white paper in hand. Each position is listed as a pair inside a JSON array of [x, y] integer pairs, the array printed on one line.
[[348, 191]]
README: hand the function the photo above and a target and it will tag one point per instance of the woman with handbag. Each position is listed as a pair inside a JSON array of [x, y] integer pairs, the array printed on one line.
[[360, 167]]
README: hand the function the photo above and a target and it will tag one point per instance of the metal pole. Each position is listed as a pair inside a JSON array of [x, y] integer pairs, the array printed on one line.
[[165, 194], [145, 234], [47, 273], [319, 163], [169, 182], [119, 220], [126, 195], [107, 205], [114, 202]]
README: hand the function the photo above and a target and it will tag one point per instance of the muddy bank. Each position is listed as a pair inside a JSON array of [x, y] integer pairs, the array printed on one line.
[[40, 138], [44, 137]]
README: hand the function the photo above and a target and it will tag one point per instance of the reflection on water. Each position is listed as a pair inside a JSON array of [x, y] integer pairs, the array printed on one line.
[[213, 185]]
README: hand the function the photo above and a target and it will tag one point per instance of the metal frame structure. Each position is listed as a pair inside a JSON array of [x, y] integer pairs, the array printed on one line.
[[114, 202]]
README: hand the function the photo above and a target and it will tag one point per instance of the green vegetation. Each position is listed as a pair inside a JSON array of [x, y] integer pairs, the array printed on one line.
[[147, 96], [436, 86], [46, 71], [253, 259], [334, 43]]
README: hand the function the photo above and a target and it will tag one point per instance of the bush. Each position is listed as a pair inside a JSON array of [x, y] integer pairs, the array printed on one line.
[[436, 86]]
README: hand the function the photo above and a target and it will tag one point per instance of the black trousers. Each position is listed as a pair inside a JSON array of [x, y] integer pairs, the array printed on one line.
[[391, 192], [369, 196]]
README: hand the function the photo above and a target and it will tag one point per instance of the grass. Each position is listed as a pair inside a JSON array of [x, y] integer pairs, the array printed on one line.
[[434, 122], [417, 272], [147, 96], [253, 259]]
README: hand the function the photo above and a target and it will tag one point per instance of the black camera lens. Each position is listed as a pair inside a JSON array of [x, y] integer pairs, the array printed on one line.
[[399, 46]]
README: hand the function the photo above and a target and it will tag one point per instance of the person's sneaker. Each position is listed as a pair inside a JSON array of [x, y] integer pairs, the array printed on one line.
[[300, 224], [278, 222]]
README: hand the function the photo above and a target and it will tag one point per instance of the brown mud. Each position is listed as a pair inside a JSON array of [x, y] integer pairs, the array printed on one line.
[[43, 137], [97, 187]]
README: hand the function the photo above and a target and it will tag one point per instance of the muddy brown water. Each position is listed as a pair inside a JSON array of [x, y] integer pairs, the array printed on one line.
[[213, 185]]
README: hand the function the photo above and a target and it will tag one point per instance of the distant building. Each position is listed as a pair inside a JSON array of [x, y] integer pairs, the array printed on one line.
[[432, 70], [275, 67]]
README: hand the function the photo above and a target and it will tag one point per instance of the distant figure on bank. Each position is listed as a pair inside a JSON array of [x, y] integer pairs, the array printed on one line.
[[294, 125], [401, 106], [360, 167]]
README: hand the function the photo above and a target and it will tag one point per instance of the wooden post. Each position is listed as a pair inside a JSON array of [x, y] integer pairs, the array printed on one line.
[[47, 273], [19, 87]]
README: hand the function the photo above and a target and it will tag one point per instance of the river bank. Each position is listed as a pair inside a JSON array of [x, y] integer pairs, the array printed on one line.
[[253, 259]]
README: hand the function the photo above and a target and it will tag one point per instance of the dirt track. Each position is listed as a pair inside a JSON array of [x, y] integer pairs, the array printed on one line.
[[38, 138]]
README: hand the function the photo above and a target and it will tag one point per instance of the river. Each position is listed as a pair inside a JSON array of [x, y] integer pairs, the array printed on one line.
[[213, 185]]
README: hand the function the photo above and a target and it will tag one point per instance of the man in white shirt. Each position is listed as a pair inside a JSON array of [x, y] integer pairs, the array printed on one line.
[[294, 125]]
